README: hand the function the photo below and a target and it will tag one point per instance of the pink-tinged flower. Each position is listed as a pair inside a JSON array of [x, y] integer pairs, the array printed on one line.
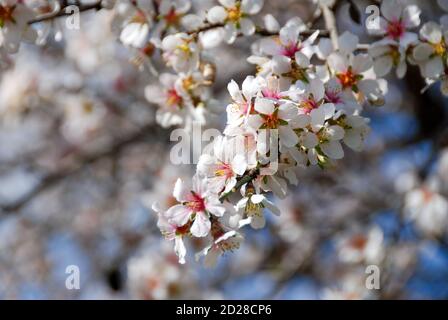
[[387, 54], [181, 52], [224, 165], [396, 21], [270, 115], [171, 103], [251, 208], [362, 246], [428, 208], [430, 53], [234, 15], [196, 204], [134, 22], [223, 240], [343, 100], [241, 106], [288, 43], [14, 18], [172, 232]]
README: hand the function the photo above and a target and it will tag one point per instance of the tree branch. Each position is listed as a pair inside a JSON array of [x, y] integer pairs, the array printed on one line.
[[330, 24], [53, 178], [62, 12]]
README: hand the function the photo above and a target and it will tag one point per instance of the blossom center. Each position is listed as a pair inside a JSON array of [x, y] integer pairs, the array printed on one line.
[[224, 170], [395, 29], [188, 83], [272, 94], [358, 242], [195, 203], [173, 98], [347, 79], [439, 48], [253, 209], [184, 47], [309, 105], [290, 50], [172, 18], [271, 121], [234, 14], [6, 14], [395, 55]]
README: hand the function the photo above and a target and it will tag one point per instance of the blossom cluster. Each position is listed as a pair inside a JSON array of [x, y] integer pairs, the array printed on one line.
[[302, 108], [299, 110]]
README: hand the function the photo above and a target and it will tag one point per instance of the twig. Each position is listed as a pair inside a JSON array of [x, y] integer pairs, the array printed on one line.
[[245, 179], [62, 12], [53, 178], [330, 24], [259, 31]]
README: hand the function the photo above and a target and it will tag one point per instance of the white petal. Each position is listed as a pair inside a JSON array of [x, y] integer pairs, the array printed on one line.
[[287, 111], [383, 65], [391, 9], [287, 136], [239, 164], [411, 16], [217, 14], [247, 26], [178, 215], [234, 91], [348, 42], [264, 106], [422, 52], [361, 63], [179, 249], [433, 68], [252, 6], [333, 149], [201, 225], [431, 32], [271, 207]]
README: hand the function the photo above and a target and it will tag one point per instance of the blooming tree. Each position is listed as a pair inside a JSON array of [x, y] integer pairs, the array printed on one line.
[[297, 110]]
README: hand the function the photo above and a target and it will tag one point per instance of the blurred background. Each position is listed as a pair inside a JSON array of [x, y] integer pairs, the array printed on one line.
[[82, 160]]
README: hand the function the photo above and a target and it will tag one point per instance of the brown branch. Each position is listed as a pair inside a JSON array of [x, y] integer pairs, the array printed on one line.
[[52, 179], [62, 12], [330, 24], [259, 31]]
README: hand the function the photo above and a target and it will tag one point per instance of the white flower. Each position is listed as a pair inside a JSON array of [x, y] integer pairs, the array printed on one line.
[[172, 232], [171, 13], [224, 165], [288, 42], [315, 113], [14, 17], [352, 71], [396, 21], [134, 21], [430, 53], [360, 246], [238, 111], [428, 209], [181, 52], [172, 105], [387, 54], [270, 115], [196, 204], [356, 130], [251, 207], [234, 13], [223, 242], [343, 100]]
